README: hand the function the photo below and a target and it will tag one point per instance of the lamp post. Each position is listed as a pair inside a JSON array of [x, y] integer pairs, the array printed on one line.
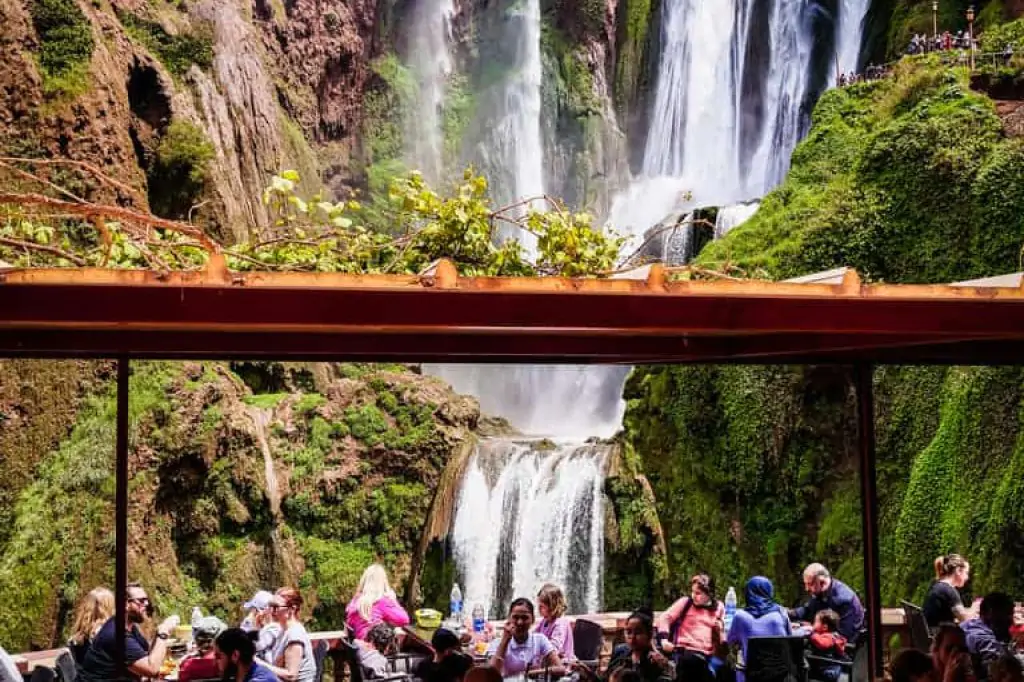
[[935, 21], [970, 32]]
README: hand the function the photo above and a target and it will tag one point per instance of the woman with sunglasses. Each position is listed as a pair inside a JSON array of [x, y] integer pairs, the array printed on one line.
[[292, 656]]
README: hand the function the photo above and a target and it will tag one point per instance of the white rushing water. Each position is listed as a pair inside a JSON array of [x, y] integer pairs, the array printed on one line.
[[851, 32], [430, 62], [527, 515], [733, 84], [558, 401], [733, 216]]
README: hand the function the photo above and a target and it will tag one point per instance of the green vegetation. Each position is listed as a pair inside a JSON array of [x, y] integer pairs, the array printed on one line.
[[65, 45], [633, 35], [459, 110], [178, 52], [907, 180], [180, 170]]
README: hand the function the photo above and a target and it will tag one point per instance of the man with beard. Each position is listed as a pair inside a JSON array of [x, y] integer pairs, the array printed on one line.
[[235, 650], [100, 664]]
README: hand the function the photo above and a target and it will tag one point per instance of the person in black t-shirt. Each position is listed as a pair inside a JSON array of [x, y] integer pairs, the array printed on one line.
[[943, 603], [448, 663], [99, 664]]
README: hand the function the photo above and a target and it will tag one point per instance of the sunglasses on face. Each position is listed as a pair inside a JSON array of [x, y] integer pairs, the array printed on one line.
[[139, 600]]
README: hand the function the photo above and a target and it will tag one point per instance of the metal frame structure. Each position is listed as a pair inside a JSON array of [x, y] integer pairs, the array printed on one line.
[[439, 316]]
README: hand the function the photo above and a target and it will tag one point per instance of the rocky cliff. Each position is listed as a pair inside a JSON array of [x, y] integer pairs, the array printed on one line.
[[196, 103]]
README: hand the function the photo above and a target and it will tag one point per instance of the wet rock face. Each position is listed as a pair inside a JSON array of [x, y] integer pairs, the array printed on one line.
[[320, 50]]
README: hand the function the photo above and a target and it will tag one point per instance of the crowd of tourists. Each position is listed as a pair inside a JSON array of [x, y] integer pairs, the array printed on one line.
[[942, 42], [697, 639]]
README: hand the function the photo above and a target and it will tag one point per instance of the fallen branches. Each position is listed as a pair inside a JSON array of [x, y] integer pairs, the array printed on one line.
[[105, 211], [44, 248]]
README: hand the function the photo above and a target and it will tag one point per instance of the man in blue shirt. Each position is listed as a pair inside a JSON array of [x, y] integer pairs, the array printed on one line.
[[142, 660], [828, 593], [988, 635]]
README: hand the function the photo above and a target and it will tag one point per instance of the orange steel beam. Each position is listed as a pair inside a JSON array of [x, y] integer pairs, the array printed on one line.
[[215, 313]]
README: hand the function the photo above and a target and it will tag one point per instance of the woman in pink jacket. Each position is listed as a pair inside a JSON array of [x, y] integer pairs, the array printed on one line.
[[374, 603]]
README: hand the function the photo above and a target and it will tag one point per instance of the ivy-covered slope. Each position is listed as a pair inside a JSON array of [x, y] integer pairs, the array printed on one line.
[[909, 179], [356, 453]]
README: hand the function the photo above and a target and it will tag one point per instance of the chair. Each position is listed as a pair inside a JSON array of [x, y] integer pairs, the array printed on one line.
[[319, 654], [920, 633], [349, 656], [775, 659], [587, 640], [43, 673], [67, 670]]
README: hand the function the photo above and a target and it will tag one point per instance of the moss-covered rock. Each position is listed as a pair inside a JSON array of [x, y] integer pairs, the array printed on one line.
[[355, 453]]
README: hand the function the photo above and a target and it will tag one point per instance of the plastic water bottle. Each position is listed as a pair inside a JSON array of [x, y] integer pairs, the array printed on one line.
[[197, 616], [479, 619], [730, 608], [455, 601]]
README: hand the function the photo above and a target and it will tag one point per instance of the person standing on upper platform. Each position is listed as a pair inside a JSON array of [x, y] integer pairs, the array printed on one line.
[[828, 593]]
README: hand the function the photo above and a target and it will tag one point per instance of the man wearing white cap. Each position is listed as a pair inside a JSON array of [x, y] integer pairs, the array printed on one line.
[[258, 618]]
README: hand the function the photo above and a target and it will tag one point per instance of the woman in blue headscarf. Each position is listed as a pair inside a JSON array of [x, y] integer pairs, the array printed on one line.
[[762, 617]]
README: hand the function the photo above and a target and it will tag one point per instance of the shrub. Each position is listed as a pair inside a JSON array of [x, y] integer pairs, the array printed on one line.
[[65, 44], [177, 52], [180, 169]]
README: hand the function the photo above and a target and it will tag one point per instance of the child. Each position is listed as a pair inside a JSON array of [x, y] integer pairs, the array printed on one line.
[[827, 643], [448, 664], [373, 652]]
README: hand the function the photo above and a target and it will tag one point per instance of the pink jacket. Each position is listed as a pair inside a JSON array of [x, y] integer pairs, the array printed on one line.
[[385, 610]]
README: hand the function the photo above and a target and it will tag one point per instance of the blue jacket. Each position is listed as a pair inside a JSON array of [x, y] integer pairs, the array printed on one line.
[[983, 645], [841, 599]]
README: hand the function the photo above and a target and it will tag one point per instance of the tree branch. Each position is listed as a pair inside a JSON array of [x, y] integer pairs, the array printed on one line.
[[45, 248], [93, 210]]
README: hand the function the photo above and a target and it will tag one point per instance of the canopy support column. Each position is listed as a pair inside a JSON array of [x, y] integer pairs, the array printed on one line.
[[863, 373], [121, 517]]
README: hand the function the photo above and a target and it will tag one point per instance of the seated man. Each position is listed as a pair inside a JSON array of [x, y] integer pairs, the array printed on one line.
[[99, 664], [988, 635], [828, 593], [448, 663]]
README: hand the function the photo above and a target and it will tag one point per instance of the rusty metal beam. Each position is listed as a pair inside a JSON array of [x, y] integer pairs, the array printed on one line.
[[546, 347]]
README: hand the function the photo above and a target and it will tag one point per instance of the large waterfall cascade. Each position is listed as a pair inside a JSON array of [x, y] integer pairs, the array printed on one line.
[[531, 512], [728, 110]]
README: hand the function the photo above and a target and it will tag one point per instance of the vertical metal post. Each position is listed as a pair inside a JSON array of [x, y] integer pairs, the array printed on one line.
[[121, 519], [869, 514]]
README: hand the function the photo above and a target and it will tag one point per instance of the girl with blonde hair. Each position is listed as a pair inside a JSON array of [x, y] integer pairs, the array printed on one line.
[[374, 602], [95, 609], [553, 623]]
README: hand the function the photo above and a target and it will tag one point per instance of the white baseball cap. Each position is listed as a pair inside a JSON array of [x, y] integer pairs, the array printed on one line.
[[261, 600]]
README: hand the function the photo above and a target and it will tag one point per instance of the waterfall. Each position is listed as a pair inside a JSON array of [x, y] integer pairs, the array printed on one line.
[[430, 62], [733, 216], [731, 102], [260, 419], [529, 513], [563, 401], [851, 24]]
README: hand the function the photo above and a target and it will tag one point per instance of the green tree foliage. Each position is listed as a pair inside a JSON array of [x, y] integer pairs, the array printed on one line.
[[65, 44]]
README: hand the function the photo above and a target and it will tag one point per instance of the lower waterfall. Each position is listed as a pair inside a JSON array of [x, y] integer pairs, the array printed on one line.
[[531, 512]]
